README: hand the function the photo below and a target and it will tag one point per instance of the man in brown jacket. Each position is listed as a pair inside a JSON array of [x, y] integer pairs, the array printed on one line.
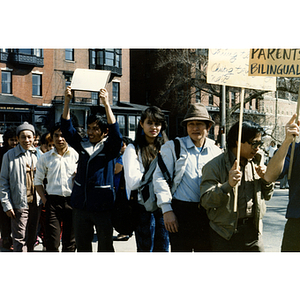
[[240, 230]]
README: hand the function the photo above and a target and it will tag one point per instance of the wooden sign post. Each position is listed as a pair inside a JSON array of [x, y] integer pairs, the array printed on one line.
[[279, 63], [230, 67]]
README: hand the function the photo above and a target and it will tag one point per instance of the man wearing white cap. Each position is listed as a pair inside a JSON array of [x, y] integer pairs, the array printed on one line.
[[17, 193]]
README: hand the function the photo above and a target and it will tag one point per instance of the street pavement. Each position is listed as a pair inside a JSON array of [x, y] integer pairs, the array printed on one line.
[[119, 246], [273, 221]]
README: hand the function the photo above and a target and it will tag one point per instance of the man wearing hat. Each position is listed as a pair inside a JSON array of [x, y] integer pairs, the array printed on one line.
[[17, 193], [186, 222]]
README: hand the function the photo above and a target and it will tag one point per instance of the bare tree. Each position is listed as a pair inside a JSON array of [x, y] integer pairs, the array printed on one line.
[[186, 76]]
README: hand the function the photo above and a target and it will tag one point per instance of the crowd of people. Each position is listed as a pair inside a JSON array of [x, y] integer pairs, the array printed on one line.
[[61, 188]]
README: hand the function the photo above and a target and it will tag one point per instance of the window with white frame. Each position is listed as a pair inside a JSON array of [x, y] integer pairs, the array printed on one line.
[[36, 85], [6, 82], [69, 54]]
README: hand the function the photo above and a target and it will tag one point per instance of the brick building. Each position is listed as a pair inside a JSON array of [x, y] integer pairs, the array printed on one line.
[[33, 82]]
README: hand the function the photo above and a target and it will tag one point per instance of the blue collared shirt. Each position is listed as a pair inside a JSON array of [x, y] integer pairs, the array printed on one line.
[[189, 187]]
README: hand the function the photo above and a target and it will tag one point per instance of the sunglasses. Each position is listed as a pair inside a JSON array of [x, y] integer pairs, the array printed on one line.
[[255, 145]]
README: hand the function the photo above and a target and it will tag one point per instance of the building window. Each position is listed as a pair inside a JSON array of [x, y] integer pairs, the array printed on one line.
[[69, 54], [122, 124], [94, 96], [116, 92], [112, 57], [132, 127], [36, 85], [93, 57], [28, 51], [106, 59], [38, 52], [68, 78], [6, 82], [25, 51]]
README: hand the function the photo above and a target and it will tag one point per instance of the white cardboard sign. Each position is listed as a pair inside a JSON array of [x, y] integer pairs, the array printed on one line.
[[89, 80], [230, 67]]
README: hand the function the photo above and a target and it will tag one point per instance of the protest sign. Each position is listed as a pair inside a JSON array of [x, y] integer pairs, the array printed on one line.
[[279, 63], [274, 62], [230, 67], [89, 80]]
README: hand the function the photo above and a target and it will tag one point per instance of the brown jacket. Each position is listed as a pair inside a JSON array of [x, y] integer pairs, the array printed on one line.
[[217, 196]]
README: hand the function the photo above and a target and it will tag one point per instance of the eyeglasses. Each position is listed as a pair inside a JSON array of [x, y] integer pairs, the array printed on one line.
[[255, 145]]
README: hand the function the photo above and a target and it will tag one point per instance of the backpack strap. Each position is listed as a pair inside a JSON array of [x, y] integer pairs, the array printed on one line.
[[177, 148], [164, 169], [162, 165]]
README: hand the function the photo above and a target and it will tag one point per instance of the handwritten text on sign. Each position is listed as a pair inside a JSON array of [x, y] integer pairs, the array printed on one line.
[[230, 67], [274, 62]]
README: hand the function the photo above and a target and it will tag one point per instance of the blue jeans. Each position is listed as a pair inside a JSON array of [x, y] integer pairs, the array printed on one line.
[[84, 222], [150, 233]]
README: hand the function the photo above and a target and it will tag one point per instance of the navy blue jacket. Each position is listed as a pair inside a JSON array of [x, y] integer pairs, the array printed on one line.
[[94, 182]]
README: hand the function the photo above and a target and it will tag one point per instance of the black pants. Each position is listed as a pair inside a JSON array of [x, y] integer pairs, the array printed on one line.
[[84, 222], [59, 216], [291, 236], [245, 239], [193, 231], [5, 228]]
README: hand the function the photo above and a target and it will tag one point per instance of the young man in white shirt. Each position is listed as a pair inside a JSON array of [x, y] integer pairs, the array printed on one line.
[[59, 167]]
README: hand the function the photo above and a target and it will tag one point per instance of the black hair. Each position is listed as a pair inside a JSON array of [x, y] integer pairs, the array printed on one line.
[[8, 134], [44, 138], [149, 153], [127, 140], [55, 127], [100, 120], [250, 130]]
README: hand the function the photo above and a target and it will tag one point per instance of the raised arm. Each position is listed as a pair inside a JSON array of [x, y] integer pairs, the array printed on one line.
[[275, 166], [68, 97], [104, 99]]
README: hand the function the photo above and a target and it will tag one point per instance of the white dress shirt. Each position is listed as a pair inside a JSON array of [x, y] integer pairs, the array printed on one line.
[[59, 171]]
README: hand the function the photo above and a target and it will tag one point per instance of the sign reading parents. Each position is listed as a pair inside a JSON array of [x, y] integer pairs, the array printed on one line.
[[274, 62], [230, 67]]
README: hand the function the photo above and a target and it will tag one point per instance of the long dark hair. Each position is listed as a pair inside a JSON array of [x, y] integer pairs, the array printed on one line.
[[141, 145]]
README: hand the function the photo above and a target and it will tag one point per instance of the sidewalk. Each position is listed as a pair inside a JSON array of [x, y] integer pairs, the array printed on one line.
[[120, 246]]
